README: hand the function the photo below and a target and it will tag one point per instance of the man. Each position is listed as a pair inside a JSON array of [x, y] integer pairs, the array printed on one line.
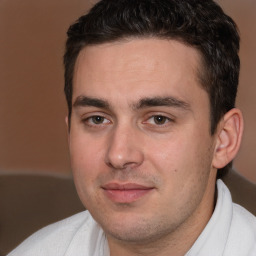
[[151, 88]]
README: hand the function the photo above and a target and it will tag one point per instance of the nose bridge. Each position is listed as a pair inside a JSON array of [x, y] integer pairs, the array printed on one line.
[[123, 148]]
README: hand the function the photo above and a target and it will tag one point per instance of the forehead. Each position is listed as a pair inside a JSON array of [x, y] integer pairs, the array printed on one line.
[[137, 67]]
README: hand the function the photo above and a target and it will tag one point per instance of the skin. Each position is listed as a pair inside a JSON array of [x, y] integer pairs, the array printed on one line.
[[143, 159]]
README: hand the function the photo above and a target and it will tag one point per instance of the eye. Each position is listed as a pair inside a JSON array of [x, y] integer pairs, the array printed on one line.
[[158, 120], [96, 120]]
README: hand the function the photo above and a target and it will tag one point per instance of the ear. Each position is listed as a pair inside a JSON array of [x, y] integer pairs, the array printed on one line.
[[67, 125], [229, 135], [66, 121]]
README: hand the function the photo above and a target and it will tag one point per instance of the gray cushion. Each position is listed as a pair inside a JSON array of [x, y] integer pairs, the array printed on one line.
[[29, 202]]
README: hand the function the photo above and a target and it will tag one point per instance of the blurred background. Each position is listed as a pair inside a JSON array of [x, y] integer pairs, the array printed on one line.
[[33, 136]]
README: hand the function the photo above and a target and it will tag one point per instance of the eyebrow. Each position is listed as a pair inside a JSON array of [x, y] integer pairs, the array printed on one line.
[[162, 101], [83, 101]]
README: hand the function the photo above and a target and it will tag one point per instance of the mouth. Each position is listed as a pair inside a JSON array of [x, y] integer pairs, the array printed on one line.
[[125, 193]]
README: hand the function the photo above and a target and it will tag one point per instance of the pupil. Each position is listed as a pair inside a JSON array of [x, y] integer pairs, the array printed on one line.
[[159, 119], [97, 119]]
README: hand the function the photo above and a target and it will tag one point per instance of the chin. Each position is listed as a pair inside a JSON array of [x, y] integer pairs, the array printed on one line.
[[136, 230]]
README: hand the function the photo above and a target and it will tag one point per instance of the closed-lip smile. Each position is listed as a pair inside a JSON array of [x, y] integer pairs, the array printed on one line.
[[125, 192]]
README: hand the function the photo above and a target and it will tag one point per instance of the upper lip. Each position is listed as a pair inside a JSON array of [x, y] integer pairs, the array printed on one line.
[[125, 186]]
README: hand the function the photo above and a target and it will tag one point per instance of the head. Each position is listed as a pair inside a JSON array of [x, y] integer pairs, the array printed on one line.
[[200, 24], [151, 89]]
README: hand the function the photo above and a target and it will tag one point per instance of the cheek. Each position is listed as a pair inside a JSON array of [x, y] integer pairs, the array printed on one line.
[[181, 158], [170, 155], [86, 163], [87, 160], [84, 150]]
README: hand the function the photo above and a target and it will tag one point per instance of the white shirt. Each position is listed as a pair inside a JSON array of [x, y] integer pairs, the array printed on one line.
[[231, 231]]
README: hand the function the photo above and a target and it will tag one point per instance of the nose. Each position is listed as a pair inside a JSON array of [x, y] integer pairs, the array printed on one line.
[[124, 149]]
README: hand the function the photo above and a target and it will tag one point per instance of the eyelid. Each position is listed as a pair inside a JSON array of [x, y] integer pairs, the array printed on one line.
[[163, 114], [167, 118], [151, 115], [88, 116]]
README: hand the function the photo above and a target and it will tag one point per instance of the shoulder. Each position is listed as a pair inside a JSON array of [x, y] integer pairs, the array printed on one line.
[[242, 235], [244, 222], [240, 225], [55, 238]]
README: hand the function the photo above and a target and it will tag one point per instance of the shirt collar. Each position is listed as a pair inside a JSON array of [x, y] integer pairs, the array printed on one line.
[[213, 239]]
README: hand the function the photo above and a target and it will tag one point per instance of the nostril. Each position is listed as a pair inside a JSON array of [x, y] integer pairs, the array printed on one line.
[[130, 160], [126, 167]]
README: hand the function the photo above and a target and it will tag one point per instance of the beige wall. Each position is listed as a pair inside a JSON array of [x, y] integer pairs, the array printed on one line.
[[32, 106], [243, 12]]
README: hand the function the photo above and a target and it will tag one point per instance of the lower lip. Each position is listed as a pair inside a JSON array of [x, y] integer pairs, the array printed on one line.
[[126, 196]]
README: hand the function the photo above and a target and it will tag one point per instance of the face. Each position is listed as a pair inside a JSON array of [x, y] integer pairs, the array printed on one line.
[[140, 144]]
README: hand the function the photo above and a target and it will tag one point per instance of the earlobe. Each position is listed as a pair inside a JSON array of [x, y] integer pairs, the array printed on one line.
[[229, 137], [67, 125], [66, 121]]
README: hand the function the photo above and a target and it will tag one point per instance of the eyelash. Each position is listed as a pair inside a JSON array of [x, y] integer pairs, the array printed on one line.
[[151, 120], [154, 118], [89, 120]]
